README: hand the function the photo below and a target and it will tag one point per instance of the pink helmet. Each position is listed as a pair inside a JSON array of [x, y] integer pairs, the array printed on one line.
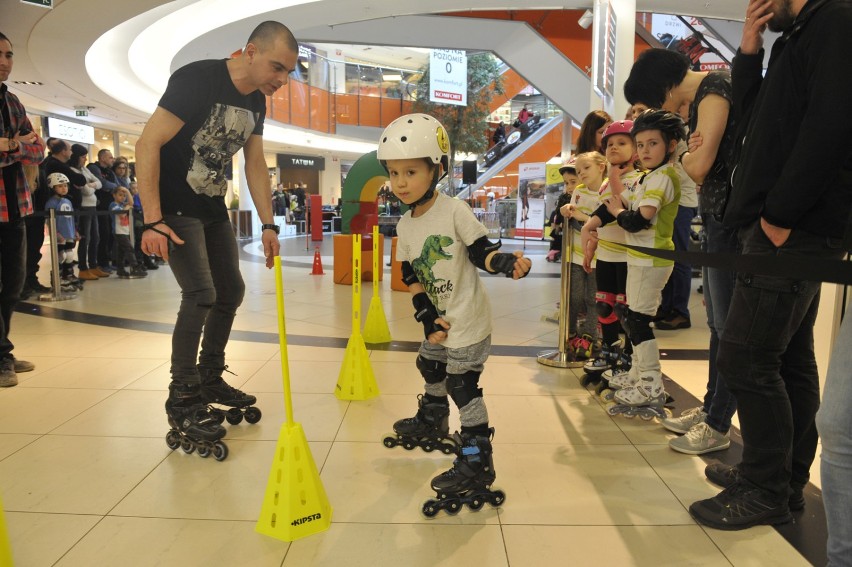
[[617, 127]]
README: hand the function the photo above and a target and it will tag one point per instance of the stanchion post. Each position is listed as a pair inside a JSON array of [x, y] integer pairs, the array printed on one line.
[[57, 294], [562, 358]]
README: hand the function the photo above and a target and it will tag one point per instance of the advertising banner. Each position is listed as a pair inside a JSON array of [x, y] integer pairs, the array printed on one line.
[[448, 76], [532, 181]]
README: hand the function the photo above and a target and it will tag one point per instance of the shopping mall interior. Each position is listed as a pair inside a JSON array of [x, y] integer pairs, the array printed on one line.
[[86, 477]]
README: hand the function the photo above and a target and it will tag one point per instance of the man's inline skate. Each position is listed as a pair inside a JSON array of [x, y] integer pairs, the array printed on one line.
[[646, 398], [429, 429], [609, 357], [214, 390], [469, 481], [192, 426]]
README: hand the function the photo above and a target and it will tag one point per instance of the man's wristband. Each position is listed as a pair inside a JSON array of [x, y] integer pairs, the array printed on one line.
[[151, 225], [274, 227]]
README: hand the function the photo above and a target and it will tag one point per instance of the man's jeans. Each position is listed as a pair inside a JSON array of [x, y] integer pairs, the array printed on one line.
[[766, 354], [208, 271], [719, 403], [834, 423]]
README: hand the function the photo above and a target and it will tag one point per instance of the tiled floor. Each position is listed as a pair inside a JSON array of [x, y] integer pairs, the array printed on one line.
[[87, 479]]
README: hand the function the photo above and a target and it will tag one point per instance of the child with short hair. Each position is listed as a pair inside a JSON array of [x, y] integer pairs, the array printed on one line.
[[66, 233], [591, 170], [569, 177], [123, 252], [646, 212], [441, 245]]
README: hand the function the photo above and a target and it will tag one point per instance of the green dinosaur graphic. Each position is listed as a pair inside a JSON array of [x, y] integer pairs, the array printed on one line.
[[433, 250]]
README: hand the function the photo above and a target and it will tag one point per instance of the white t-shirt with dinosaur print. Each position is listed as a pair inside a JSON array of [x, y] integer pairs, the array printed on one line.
[[435, 244]]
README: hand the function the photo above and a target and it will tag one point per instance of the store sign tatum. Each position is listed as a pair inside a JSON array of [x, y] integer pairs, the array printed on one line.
[[292, 161]]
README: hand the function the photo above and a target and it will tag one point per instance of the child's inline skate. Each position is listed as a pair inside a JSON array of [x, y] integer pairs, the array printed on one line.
[[214, 390], [192, 426], [607, 358], [429, 429], [617, 377], [646, 398], [469, 481]]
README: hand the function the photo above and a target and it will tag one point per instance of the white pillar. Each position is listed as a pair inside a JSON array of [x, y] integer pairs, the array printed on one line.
[[624, 14], [241, 191]]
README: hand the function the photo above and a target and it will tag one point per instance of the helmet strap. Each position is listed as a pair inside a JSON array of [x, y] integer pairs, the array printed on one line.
[[427, 196]]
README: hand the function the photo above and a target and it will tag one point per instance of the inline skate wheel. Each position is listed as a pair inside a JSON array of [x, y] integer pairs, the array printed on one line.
[[234, 416], [409, 446], [453, 507], [389, 442], [172, 439], [187, 446], [610, 408], [220, 451], [253, 415], [217, 416], [476, 503], [430, 508], [448, 448], [497, 498], [204, 452], [428, 447]]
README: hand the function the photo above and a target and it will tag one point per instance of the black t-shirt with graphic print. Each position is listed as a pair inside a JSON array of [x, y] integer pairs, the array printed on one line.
[[218, 121]]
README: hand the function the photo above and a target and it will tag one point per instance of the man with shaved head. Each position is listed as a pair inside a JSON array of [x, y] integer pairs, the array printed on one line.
[[211, 109]]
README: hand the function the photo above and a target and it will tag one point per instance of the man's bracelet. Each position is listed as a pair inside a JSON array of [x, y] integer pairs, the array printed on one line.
[[151, 225]]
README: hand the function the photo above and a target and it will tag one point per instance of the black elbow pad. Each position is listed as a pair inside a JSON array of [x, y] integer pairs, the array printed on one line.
[[603, 213], [408, 275], [633, 221], [480, 249]]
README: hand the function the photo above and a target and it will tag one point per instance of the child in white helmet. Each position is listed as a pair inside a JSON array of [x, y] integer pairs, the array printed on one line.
[[66, 232], [441, 245]]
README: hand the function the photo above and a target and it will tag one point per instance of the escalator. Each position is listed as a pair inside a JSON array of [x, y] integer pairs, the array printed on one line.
[[536, 143]]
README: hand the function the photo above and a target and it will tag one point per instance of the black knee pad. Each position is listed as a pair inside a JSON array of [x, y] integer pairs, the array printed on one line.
[[433, 371], [463, 387], [639, 327]]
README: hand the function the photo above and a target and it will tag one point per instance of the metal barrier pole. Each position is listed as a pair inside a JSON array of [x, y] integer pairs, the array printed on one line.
[[562, 358], [56, 294]]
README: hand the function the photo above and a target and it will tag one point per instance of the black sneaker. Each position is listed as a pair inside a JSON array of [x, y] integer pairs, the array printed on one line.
[[727, 475], [673, 323], [739, 507]]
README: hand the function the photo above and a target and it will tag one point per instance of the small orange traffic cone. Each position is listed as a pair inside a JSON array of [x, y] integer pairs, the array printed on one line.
[[317, 271]]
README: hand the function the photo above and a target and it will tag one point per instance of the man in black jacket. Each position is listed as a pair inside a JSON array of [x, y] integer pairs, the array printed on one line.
[[792, 190]]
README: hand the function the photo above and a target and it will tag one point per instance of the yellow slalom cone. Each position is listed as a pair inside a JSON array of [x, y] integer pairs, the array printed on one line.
[[376, 326], [295, 504], [5, 548], [356, 380]]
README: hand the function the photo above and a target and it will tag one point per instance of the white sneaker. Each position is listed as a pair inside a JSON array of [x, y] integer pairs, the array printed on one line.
[[699, 440], [687, 420]]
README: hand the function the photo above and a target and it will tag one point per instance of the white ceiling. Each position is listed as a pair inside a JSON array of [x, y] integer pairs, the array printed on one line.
[[51, 46]]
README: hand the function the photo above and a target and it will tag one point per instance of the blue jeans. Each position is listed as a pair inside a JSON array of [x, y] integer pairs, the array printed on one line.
[[834, 422], [719, 404], [677, 290], [207, 270], [13, 258], [87, 253], [767, 357]]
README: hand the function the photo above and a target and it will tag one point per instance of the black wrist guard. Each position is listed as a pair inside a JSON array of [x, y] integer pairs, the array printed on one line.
[[502, 263], [603, 214], [633, 221], [426, 313]]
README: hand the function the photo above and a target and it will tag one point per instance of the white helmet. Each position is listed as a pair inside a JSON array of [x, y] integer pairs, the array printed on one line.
[[55, 179], [415, 136]]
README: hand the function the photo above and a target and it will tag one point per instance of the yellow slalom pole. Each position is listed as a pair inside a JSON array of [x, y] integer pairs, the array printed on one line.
[[295, 504], [356, 380], [5, 548], [376, 325]]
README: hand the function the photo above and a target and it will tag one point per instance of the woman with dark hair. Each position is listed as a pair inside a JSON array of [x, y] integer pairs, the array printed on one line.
[[87, 251], [591, 132]]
